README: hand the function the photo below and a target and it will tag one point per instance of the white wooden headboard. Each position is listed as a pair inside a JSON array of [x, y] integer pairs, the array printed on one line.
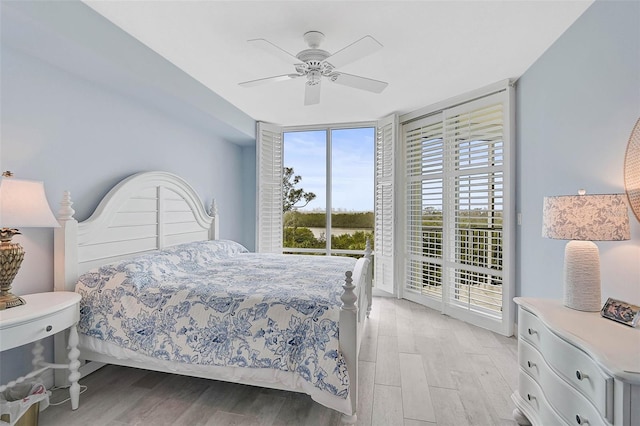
[[146, 211]]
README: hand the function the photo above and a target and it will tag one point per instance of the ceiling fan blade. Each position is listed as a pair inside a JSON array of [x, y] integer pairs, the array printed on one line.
[[363, 83], [357, 50], [312, 93], [258, 82], [275, 50]]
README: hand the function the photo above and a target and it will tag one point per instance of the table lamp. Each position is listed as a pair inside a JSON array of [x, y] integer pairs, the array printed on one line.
[[583, 219], [23, 204]]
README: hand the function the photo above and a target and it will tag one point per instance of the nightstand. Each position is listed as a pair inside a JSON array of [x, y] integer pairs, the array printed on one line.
[[44, 314]]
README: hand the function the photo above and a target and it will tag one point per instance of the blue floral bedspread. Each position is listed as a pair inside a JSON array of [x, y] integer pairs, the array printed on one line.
[[213, 303]]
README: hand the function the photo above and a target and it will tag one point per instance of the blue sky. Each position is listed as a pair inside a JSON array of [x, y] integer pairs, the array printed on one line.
[[352, 166]]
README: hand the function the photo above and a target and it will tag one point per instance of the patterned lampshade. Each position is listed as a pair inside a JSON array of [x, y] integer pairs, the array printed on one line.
[[586, 217]]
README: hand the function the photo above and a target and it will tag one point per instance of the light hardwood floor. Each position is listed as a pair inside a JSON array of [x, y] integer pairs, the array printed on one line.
[[417, 368]]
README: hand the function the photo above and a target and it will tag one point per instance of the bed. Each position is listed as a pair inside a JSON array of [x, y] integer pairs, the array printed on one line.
[[150, 256]]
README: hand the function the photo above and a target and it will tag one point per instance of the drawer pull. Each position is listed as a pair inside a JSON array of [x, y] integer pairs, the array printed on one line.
[[581, 376], [581, 420], [531, 331], [49, 328], [531, 364], [530, 397]]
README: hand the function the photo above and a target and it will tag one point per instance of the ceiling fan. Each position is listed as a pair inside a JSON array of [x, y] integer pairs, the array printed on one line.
[[315, 63]]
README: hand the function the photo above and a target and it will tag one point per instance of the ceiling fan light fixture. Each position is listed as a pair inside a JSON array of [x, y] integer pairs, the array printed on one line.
[[314, 78], [315, 63]]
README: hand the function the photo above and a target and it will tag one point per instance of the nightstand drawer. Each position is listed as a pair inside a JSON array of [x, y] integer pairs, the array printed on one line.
[[39, 328], [571, 363]]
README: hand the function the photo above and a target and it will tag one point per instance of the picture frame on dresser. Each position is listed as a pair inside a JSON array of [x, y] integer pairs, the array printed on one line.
[[621, 312]]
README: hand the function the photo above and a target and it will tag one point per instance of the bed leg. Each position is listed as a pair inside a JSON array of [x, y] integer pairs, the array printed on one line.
[[368, 282], [348, 420], [349, 341]]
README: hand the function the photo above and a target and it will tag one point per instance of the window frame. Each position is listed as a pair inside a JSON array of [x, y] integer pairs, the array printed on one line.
[[327, 128]]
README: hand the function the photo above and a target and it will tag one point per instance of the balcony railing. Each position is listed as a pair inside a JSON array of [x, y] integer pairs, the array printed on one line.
[[477, 271]]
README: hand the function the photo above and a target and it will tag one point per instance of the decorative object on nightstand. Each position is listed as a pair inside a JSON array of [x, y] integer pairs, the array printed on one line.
[[583, 219], [22, 204]]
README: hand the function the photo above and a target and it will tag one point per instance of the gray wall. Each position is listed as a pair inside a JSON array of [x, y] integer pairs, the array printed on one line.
[[576, 108], [79, 117]]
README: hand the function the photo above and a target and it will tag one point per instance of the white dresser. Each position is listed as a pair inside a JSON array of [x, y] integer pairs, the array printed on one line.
[[576, 368]]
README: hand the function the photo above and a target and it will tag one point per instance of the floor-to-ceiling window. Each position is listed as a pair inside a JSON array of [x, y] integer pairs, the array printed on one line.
[[328, 190]]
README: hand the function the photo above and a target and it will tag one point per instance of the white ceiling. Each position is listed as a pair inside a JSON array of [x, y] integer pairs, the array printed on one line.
[[433, 50]]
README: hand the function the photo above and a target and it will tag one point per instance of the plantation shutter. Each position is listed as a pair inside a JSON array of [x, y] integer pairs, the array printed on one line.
[[384, 206], [269, 175], [458, 210], [474, 136], [424, 197]]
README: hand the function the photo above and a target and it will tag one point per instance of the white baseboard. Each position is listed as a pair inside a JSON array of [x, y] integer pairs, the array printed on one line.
[[380, 293]]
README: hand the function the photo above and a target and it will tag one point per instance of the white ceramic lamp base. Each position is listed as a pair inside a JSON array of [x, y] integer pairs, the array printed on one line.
[[582, 276]]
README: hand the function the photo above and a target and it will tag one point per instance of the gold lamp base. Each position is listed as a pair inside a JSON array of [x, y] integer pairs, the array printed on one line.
[[10, 300], [11, 256]]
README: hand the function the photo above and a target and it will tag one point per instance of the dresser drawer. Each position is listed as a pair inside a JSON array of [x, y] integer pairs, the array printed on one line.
[[568, 402], [534, 399], [571, 363], [573, 343], [530, 327], [530, 360], [581, 371], [39, 328], [571, 404]]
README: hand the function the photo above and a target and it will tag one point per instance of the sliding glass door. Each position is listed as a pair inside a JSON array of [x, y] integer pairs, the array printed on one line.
[[456, 169]]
